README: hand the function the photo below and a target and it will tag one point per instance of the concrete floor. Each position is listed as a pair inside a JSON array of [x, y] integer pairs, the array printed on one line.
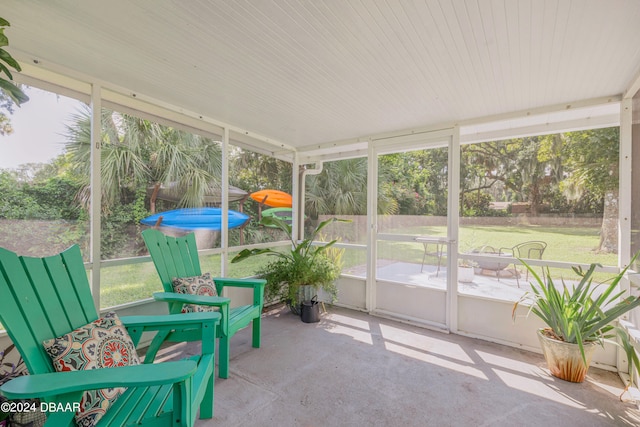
[[484, 285], [352, 369]]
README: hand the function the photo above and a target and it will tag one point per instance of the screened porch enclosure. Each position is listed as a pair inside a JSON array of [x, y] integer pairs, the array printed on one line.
[[445, 162]]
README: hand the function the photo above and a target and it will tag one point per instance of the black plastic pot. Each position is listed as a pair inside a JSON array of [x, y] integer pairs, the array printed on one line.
[[310, 310]]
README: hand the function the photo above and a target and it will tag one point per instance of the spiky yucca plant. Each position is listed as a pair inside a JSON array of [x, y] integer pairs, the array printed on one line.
[[578, 314]]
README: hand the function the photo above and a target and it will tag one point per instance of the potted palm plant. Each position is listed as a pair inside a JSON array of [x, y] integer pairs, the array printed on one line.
[[297, 274], [578, 319]]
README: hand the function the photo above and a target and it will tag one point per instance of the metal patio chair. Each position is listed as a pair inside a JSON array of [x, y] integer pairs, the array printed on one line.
[[526, 250]]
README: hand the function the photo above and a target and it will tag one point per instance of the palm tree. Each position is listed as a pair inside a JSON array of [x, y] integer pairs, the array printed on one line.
[[137, 152], [191, 161], [341, 189]]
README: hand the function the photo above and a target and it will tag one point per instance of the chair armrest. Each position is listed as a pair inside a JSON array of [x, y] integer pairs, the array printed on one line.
[[57, 383], [505, 251], [239, 283], [191, 299], [170, 320], [256, 284], [203, 323], [485, 249]]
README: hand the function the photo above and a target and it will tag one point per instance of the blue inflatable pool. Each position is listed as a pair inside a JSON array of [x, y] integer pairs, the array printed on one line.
[[195, 219]]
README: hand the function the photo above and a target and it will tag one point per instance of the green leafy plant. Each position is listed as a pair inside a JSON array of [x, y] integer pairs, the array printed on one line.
[[8, 371], [305, 264], [579, 314], [6, 61], [466, 263]]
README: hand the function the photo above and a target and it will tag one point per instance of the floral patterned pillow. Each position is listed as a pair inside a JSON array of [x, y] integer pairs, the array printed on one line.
[[104, 343], [195, 285]]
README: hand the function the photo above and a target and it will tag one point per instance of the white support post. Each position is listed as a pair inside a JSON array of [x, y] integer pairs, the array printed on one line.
[[624, 206], [624, 186], [224, 226], [298, 220], [96, 192], [372, 229], [453, 215]]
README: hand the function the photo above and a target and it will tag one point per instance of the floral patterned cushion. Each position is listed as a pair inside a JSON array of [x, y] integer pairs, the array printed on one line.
[[195, 285], [103, 343]]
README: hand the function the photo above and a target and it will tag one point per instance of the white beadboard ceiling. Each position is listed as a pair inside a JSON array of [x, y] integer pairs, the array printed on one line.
[[311, 72]]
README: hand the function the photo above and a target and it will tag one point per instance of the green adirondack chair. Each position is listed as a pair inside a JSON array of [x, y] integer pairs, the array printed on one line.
[[178, 257], [44, 298]]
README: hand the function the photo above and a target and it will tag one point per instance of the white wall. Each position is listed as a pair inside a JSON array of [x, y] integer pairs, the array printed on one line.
[[482, 318]]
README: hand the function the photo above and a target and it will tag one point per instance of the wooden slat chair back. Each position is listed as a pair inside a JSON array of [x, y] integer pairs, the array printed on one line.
[[52, 300], [178, 257], [44, 298], [173, 257]]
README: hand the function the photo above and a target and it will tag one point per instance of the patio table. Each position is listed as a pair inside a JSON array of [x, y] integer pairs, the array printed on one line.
[[433, 247]]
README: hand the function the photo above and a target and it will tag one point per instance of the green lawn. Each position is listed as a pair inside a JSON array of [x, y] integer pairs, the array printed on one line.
[[567, 244], [578, 245], [564, 244], [129, 283]]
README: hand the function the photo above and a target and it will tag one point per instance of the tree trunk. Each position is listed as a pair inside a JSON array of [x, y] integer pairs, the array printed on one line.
[[534, 199], [609, 230], [154, 197]]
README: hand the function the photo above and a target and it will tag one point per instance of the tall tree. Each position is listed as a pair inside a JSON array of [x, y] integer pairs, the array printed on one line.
[[417, 180], [577, 166], [531, 172], [592, 158], [253, 171], [526, 167]]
